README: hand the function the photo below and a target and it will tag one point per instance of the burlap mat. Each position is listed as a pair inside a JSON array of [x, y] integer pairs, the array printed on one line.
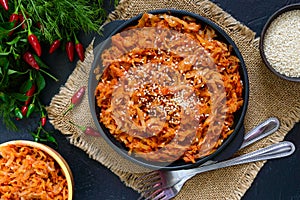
[[269, 96]]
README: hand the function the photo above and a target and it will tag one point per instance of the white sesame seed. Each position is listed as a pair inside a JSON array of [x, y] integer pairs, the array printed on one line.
[[282, 43]]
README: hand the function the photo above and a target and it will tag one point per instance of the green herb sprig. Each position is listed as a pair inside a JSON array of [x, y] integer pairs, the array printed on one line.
[[61, 18], [46, 21]]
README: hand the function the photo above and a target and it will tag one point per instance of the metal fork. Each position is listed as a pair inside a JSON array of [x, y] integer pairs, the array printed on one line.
[[279, 150], [161, 179], [153, 179]]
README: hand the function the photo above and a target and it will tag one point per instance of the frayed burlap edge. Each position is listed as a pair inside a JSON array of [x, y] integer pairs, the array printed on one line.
[[217, 15], [208, 9]]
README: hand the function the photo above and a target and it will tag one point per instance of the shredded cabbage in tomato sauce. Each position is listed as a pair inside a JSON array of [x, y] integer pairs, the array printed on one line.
[[169, 89], [29, 173]]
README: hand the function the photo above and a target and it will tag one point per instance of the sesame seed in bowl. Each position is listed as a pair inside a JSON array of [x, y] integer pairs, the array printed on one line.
[[279, 44]]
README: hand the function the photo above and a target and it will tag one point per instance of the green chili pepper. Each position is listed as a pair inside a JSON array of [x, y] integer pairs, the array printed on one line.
[[30, 110], [18, 113], [36, 135], [40, 62], [3, 97], [43, 136]]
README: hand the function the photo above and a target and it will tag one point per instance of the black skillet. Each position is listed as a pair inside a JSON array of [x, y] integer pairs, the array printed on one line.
[[228, 147]]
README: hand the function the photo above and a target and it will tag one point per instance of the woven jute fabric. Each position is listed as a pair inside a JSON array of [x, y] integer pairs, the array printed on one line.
[[270, 96]]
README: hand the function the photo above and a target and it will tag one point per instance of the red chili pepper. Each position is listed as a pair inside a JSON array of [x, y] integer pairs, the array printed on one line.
[[22, 21], [29, 94], [79, 49], [34, 42], [4, 4], [24, 110], [90, 131], [39, 25], [87, 130], [70, 50], [55, 45], [76, 98], [13, 18], [43, 118], [31, 91], [29, 59], [27, 102], [43, 121]]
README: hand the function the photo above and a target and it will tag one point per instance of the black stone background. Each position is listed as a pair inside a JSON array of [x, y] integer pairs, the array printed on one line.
[[278, 179]]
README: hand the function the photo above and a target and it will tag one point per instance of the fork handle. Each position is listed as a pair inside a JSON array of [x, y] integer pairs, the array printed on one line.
[[278, 150], [260, 131]]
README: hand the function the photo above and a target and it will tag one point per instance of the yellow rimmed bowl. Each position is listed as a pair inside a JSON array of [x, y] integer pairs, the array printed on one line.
[[53, 154]]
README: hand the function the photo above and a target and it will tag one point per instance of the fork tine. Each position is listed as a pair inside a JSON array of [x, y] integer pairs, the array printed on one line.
[[148, 180], [151, 179], [155, 186], [150, 192], [169, 194], [147, 176], [159, 196], [155, 195], [166, 198], [150, 183]]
